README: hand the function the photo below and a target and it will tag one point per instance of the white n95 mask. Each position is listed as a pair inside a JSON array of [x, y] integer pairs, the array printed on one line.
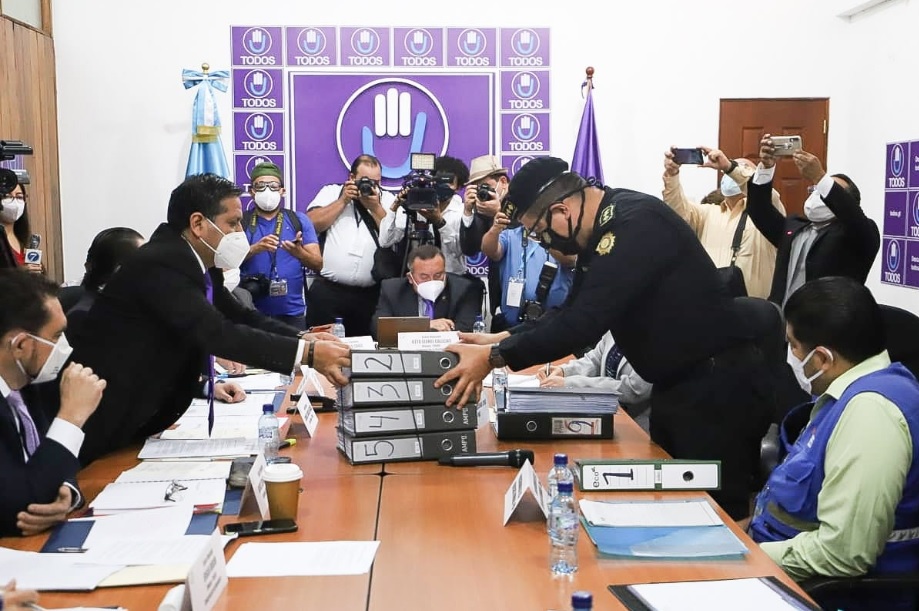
[[231, 278], [268, 200], [729, 186], [798, 367], [232, 249], [11, 209], [53, 364], [815, 210], [431, 290]]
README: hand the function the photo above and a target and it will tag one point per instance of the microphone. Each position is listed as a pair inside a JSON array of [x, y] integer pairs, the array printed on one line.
[[31, 252], [511, 458], [34, 241]]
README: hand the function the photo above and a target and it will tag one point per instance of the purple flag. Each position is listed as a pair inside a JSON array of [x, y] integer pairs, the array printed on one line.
[[586, 158]]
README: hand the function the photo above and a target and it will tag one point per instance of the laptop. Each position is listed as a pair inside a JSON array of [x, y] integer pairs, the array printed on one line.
[[389, 328]]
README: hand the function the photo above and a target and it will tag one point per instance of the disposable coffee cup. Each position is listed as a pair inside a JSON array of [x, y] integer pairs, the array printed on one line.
[[282, 482]]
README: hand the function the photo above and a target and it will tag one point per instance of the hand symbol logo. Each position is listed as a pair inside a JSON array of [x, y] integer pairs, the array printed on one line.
[[419, 43], [259, 126], [471, 43], [525, 85], [311, 41], [392, 118], [525, 127], [525, 42], [365, 42], [258, 83], [257, 41]]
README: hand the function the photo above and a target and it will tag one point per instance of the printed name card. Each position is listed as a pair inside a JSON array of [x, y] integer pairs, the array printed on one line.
[[256, 489], [526, 481], [308, 414], [207, 578], [427, 340]]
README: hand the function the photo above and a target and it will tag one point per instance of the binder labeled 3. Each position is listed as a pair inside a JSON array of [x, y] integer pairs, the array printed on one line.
[[393, 391], [396, 363]]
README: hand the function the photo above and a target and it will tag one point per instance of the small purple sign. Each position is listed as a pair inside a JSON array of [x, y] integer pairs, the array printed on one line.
[[365, 47], [257, 88], [256, 46], [477, 265], [893, 260], [243, 165], [525, 90], [912, 264], [896, 213], [525, 48], [472, 47], [258, 132], [418, 47], [912, 163], [525, 133], [513, 163], [312, 47], [911, 230]]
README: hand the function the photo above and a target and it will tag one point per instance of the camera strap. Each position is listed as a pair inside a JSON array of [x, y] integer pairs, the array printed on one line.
[[738, 236], [361, 213], [252, 222]]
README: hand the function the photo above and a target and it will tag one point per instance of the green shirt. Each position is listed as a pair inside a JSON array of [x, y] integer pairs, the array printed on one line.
[[867, 458]]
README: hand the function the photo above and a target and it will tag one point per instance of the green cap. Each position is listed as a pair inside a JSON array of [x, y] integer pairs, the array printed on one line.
[[265, 169]]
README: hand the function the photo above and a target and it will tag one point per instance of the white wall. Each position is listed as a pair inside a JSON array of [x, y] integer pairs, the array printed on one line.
[[661, 68]]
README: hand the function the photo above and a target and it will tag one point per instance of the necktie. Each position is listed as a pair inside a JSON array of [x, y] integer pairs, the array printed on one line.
[[612, 361], [428, 308], [27, 429], [209, 291]]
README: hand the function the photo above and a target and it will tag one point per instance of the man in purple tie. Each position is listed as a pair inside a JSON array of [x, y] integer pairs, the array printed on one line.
[[38, 458], [451, 301]]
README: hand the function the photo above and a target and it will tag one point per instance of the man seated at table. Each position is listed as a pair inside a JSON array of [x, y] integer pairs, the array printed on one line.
[[845, 501], [153, 329], [38, 462], [604, 366], [451, 301]]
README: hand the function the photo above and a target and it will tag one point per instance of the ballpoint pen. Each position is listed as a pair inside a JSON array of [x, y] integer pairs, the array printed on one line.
[[547, 369]]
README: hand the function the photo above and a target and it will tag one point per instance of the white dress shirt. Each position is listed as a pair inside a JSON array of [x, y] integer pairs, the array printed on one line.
[[65, 433]]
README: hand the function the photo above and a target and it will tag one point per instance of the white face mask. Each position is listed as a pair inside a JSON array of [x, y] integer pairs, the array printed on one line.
[[431, 289], [268, 200], [815, 210], [232, 249], [231, 278], [53, 364], [11, 209], [729, 186], [798, 367]]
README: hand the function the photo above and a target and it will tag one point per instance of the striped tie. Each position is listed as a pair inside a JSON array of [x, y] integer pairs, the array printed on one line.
[[27, 429]]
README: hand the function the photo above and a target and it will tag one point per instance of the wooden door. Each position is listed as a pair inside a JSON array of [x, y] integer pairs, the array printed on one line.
[[743, 123]]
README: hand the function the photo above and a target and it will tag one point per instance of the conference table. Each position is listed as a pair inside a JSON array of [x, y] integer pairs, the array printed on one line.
[[443, 544]]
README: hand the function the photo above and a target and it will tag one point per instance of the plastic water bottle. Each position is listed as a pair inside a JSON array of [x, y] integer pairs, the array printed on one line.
[[269, 437], [582, 601], [563, 532], [479, 325], [338, 329], [559, 473], [499, 386]]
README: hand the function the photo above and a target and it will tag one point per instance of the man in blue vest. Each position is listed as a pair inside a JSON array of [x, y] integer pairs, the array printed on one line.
[[845, 500]]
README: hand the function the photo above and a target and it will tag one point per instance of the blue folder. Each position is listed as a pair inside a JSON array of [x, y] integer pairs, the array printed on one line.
[[667, 543], [73, 534]]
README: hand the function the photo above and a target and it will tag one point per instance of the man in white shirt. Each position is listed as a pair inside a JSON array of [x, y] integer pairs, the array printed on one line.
[[348, 218]]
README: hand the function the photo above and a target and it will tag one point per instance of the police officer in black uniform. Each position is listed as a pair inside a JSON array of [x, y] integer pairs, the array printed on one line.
[[642, 275]]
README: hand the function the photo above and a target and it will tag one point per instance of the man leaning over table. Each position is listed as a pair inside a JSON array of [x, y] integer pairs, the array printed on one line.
[[845, 500], [38, 459]]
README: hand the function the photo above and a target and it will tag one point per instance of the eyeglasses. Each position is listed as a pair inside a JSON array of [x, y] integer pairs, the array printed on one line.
[[172, 489], [259, 187]]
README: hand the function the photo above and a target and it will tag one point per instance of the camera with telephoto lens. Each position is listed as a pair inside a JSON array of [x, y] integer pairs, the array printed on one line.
[[366, 187], [533, 309], [9, 178], [424, 190], [484, 193]]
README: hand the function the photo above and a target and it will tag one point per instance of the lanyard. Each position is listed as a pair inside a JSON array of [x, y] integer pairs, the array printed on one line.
[[278, 228]]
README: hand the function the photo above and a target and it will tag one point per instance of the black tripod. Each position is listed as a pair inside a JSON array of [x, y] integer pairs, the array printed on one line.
[[417, 233]]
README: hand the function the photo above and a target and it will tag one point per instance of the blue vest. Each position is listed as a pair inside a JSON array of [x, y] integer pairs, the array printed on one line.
[[793, 485]]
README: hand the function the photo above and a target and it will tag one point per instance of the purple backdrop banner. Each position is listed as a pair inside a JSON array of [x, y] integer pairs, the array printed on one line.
[[258, 88], [525, 90], [414, 47], [900, 251], [524, 47], [258, 132], [312, 47], [365, 47], [256, 46], [525, 133], [472, 47]]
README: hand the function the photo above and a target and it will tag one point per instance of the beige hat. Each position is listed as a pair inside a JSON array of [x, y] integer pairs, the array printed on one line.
[[483, 167]]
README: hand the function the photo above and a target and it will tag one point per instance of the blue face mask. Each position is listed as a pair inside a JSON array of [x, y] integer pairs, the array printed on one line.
[[729, 187]]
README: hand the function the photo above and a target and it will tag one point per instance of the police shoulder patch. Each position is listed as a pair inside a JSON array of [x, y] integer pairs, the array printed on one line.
[[606, 243], [607, 214]]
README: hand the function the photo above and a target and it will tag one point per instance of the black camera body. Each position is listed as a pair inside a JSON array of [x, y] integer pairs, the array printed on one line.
[[366, 187], [424, 191], [10, 178], [258, 285], [485, 193], [533, 309]]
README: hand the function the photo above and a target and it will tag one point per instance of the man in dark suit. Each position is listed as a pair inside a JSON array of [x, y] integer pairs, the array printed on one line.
[[162, 316], [451, 301], [38, 458], [835, 238]]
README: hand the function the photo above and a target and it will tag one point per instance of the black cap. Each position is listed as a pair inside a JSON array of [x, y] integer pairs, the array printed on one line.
[[529, 182]]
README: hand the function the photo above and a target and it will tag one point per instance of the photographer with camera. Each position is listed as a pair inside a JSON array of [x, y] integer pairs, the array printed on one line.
[[442, 213], [283, 242], [533, 279], [348, 218], [18, 245]]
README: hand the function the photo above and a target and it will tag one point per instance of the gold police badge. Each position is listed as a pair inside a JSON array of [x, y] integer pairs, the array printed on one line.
[[606, 243]]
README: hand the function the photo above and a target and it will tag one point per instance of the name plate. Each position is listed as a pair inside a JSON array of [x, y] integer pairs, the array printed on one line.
[[427, 340]]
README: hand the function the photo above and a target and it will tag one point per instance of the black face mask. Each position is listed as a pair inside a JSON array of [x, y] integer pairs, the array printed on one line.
[[567, 245]]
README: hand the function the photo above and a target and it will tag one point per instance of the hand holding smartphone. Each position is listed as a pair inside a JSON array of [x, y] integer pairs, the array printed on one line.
[[261, 527], [683, 156], [786, 145]]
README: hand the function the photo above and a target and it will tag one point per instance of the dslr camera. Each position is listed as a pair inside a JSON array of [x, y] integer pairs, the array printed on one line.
[[258, 285], [10, 178], [534, 309], [366, 187], [484, 193], [424, 190]]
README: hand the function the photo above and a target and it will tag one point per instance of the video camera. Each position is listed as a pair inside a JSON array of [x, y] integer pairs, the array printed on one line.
[[533, 309], [424, 190], [10, 178]]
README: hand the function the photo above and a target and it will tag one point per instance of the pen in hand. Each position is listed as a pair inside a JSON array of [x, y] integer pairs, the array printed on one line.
[[547, 369]]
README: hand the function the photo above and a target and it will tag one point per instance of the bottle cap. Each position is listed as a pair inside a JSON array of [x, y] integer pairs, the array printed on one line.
[[338, 319], [582, 600], [565, 487], [561, 460], [268, 408]]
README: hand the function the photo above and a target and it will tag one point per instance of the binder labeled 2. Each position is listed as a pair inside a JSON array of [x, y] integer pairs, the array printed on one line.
[[396, 363]]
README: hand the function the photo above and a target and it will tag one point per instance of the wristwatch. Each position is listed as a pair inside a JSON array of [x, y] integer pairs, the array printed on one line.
[[731, 168], [494, 357]]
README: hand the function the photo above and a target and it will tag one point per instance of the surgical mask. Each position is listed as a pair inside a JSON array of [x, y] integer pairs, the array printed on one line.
[[729, 187], [268, 200], [11, 209], [53, 364], [231, 278], [798, 367], [431, 289], [232, 249], [815, 210]]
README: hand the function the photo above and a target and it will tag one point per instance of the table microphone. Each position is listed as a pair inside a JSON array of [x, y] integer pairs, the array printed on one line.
[[511, 458]]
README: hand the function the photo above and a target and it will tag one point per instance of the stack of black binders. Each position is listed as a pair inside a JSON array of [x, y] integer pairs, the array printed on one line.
[[390, 410]]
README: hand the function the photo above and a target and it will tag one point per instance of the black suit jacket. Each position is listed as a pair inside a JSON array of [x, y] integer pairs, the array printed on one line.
[[149, 333], [845, 247], [471, 245], [460, 301], [35, 481]]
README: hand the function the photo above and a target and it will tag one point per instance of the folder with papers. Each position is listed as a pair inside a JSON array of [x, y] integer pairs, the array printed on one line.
[[749, 594]]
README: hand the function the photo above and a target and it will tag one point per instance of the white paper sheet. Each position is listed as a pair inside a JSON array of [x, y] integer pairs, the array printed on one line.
[[517, 380], [164, 449], [119, 496], [653, 513], [750, 594], [250, 406], [182, 470], [225, 427], [34, 571], [263, 381], [303, 559], [171, 550], [164, 523]]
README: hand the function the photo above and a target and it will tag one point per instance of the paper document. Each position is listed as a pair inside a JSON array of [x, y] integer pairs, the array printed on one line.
[[172, 550], [264, 381], [250, 406], [360, 342], [515, 380], [225, 427], [652, 513], [302, 559], [751, 594], [167, 471], [120, 496], [34, 571], [165, 523], [197, 448]]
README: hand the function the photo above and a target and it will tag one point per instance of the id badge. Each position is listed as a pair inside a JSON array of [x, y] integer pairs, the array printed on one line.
[[278, 288], [514, 293]]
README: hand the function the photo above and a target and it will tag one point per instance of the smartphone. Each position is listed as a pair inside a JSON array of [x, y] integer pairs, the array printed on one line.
[[262, 527], [786, 145], [690, 156]]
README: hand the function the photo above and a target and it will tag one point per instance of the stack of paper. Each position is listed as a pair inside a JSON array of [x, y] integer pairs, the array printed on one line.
[[560, 400], [684, 529], [34, 571], [749, 594], [302, 559], [250, 406], [225, 427], [152, 471], [261, 382], [203, 494], [168, 449]]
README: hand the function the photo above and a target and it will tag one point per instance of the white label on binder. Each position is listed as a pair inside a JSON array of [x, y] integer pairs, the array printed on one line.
[[689, 476], [619, 477]]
